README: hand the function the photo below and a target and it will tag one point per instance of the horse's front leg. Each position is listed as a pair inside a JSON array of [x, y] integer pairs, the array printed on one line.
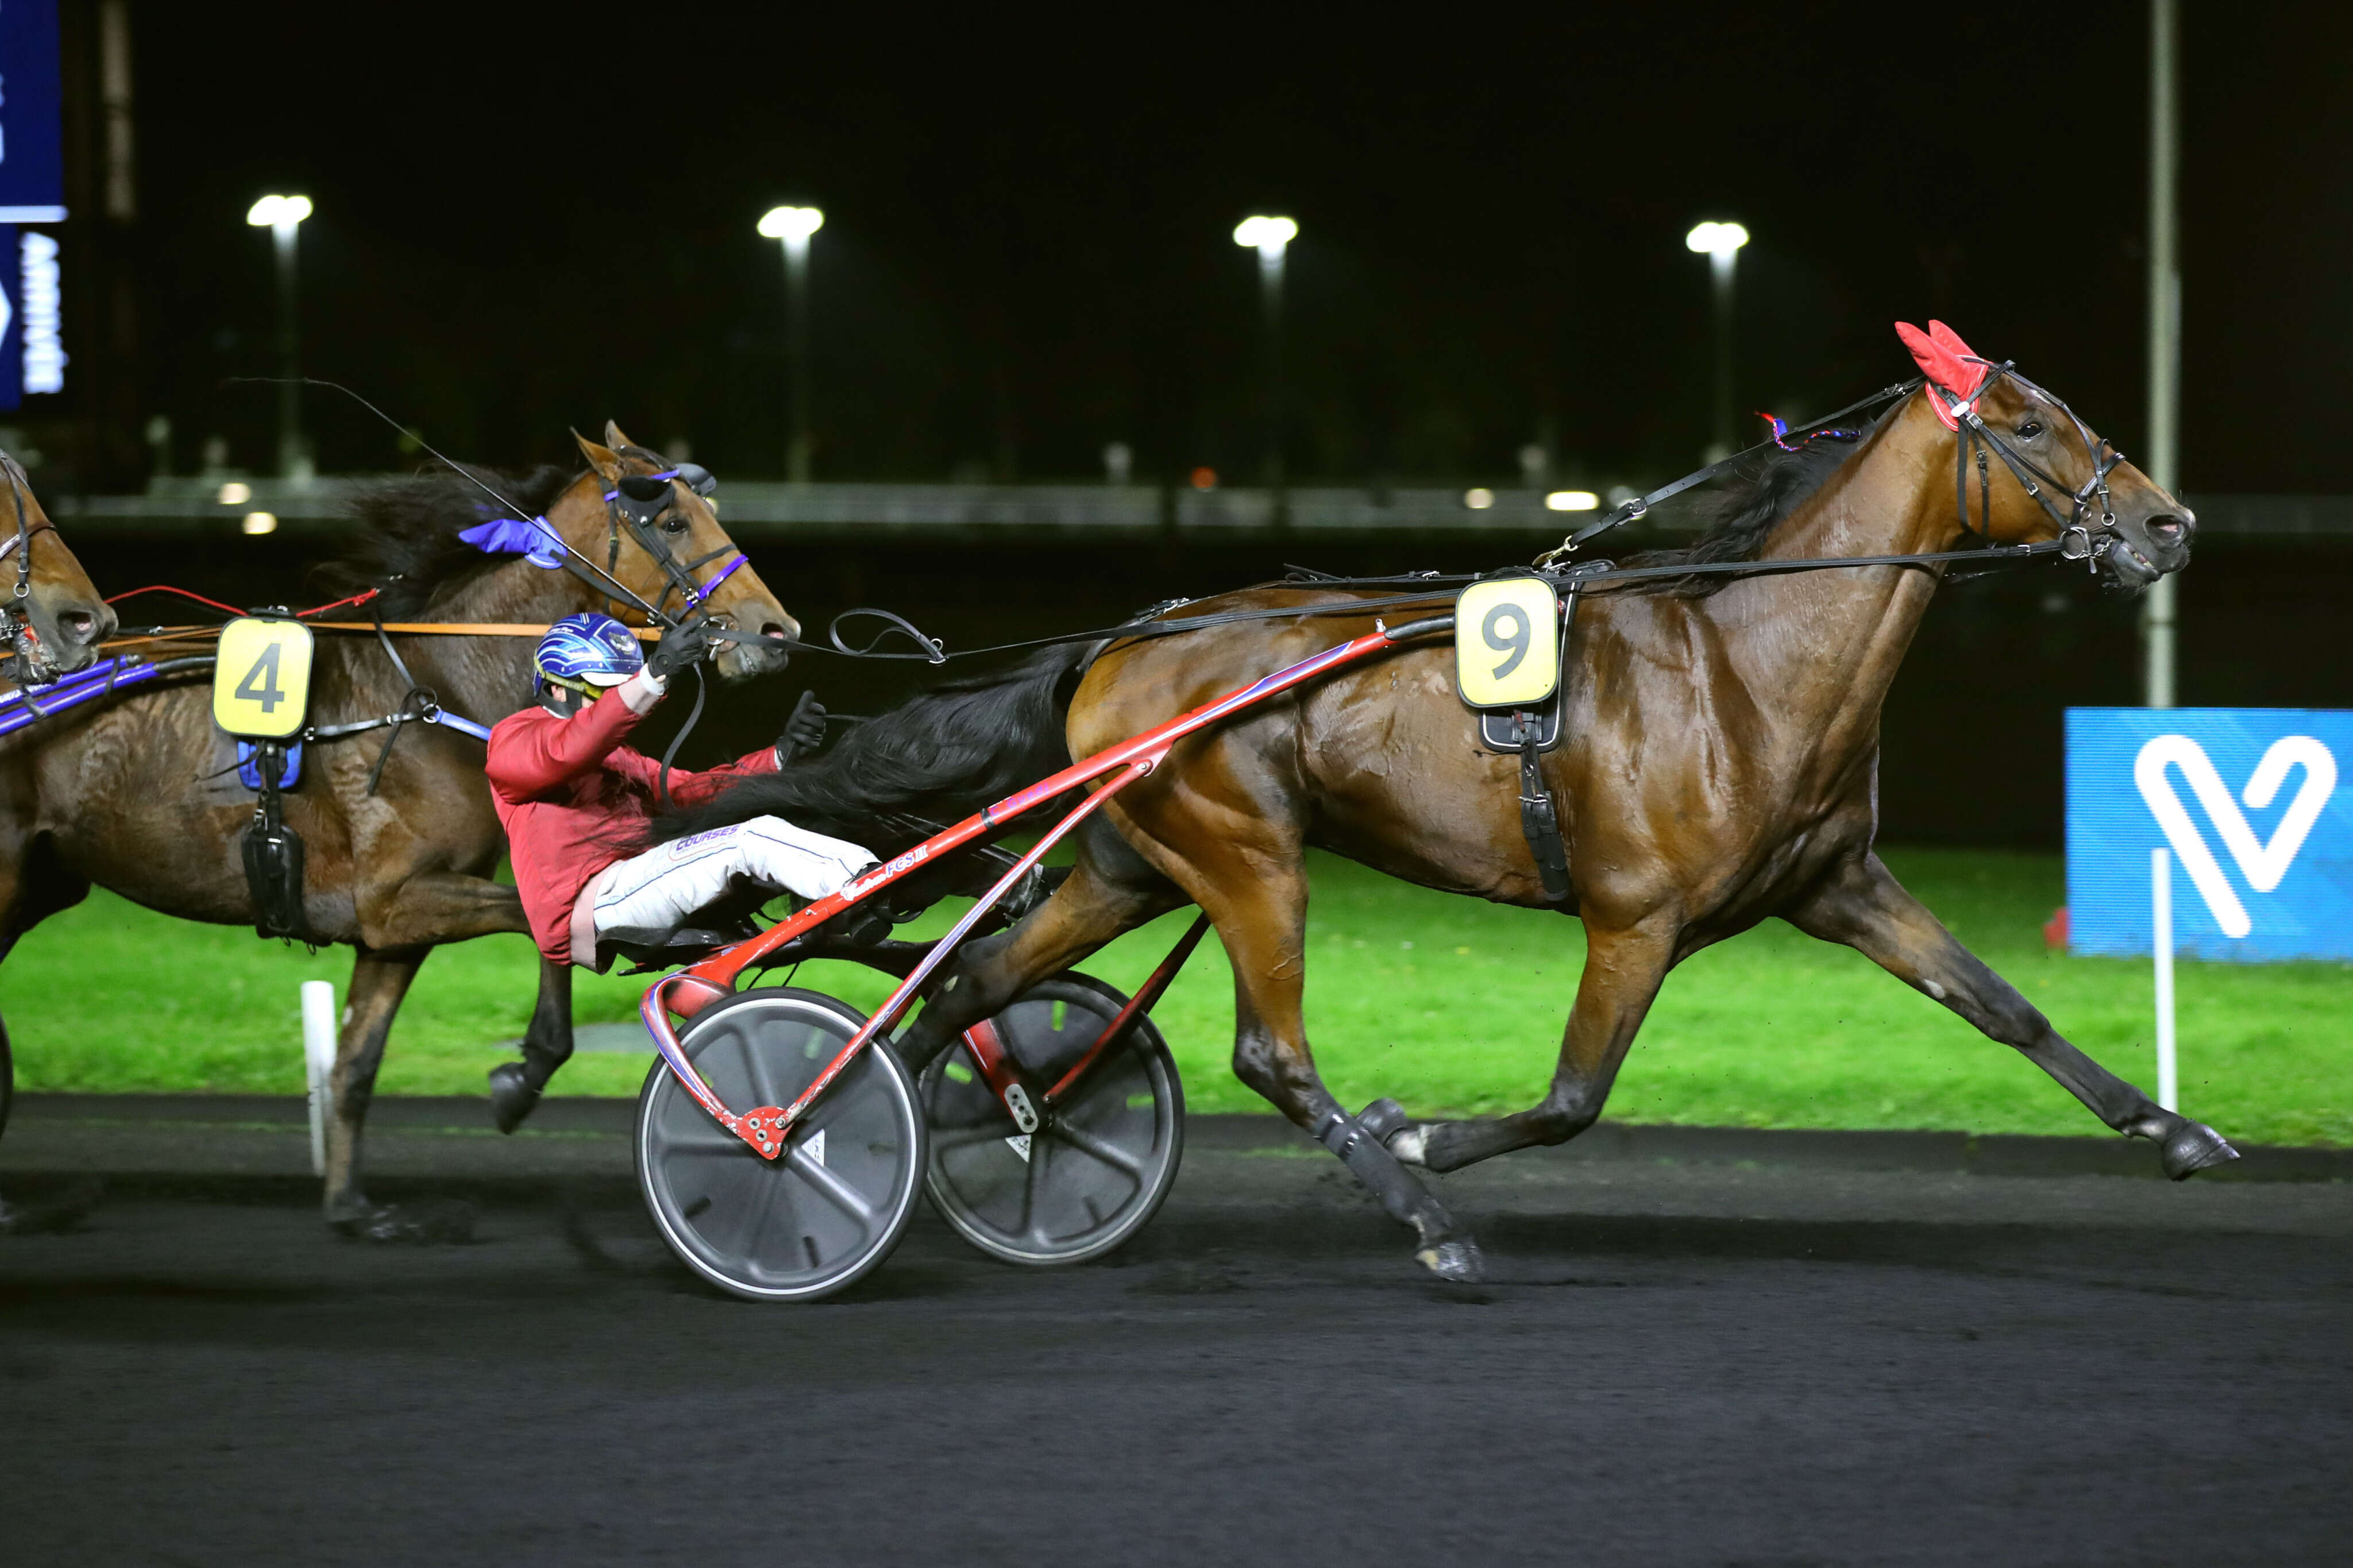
[[1863, 906], [379, 980], [1622, 972], [400, 924]]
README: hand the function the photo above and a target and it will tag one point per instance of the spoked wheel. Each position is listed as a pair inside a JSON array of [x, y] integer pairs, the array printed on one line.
[[820, 1217], [1102, 1158]]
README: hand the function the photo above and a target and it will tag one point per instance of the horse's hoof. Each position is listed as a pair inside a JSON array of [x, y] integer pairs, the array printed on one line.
[[2196, 1147], [1383, 1118], [1386, 1120], [512, 1098], [1458, 1261], [442, 1224]]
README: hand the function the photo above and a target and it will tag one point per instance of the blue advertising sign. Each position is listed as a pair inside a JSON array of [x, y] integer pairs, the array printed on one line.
[[11, 317], [2253, 802], [32, 114]]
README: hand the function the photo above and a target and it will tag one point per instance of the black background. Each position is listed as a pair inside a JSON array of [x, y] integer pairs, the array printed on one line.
[[530, 218]]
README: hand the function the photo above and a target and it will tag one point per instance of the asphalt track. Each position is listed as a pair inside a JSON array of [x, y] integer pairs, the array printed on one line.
[[1673, 1363]]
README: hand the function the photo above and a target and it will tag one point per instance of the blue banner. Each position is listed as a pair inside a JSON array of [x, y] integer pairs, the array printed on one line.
[[32, 114], [12, 315], [2255, 805]]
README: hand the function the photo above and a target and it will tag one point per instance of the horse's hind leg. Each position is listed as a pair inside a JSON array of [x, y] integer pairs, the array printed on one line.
[[1863, 906], [379, 980], [1260, 907], [1622, 972], [546, 1045]]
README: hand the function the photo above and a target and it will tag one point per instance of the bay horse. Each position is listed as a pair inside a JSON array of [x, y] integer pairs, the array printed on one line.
[[138, 793], [1719, 766], [52, 619]]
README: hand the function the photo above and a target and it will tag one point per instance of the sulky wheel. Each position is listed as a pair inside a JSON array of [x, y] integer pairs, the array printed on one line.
[[1103, 1157], [809, 1224]]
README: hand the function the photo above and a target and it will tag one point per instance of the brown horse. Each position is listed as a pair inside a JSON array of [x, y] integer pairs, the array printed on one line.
[[1719, 768], [52, 617], [139, 793], [51, 623]]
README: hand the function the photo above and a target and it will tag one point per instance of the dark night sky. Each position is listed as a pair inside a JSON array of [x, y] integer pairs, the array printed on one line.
[[531, 220]]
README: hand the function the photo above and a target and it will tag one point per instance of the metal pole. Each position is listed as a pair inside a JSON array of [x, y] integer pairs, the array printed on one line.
[[318, 1063], [2160, 911], [289, 394], [797, 355], [1270, 276], [1720, 264], [2164, 326]]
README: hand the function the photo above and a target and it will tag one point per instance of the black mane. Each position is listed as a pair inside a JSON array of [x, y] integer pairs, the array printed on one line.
[[408, 546], [1755, 499]]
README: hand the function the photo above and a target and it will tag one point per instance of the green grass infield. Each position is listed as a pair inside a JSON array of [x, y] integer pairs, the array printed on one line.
[[1449, 1004]]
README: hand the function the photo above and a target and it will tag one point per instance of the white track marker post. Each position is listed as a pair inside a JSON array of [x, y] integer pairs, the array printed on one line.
[[2161, 910], [318, 1058]]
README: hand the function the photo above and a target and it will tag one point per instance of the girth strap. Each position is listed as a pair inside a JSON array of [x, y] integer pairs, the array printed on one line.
[[1540, 816]]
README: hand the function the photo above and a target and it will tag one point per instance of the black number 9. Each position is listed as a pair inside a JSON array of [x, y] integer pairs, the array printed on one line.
[[1516, 640]]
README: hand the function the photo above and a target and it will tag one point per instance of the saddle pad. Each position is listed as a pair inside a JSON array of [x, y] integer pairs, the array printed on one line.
[[261, 680], [1507, 643]]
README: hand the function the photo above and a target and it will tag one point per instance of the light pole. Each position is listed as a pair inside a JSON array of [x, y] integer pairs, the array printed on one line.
[[2163, 328], [282, 217], [794, 226], [1720, 243], [1270, 238]]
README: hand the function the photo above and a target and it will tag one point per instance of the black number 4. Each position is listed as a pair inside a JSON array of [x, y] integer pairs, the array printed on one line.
[[260, 682]]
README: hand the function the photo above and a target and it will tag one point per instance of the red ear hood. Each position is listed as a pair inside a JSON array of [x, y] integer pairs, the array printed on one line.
[[1945, 360]]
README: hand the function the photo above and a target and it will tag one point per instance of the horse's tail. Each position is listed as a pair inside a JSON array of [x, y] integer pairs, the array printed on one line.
[[941, 755]]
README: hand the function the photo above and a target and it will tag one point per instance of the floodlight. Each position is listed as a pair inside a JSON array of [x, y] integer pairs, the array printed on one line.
[[1716, 238], [236, 492], [791, 223], [260, 522], [276, 212], [1478, 499], [1571, 501], [1267, 236]]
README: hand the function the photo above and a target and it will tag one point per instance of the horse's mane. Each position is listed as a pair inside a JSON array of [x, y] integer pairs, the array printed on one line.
[[408, 544], [1753, 501]]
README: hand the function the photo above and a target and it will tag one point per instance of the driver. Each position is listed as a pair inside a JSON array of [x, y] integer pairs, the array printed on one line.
[[575, 799]]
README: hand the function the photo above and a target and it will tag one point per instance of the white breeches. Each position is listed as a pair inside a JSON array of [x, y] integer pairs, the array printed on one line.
[[662, 886]]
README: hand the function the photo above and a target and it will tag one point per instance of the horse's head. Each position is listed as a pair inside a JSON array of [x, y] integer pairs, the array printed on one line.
[[2046, 474], [52, 619], [639, 518]]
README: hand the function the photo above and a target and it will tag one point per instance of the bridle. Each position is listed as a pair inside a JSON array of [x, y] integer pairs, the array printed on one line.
[[15, 616], [2077, 538], [638, 502]]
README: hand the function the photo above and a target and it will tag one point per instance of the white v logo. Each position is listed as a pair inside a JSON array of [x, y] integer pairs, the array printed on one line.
[[2263, 864]]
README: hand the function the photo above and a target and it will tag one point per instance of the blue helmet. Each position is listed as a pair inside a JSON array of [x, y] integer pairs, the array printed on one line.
[[587, 651]]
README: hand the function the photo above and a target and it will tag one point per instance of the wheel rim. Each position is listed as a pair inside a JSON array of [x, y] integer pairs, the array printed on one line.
[[829, 1211], [1097, 1168]]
